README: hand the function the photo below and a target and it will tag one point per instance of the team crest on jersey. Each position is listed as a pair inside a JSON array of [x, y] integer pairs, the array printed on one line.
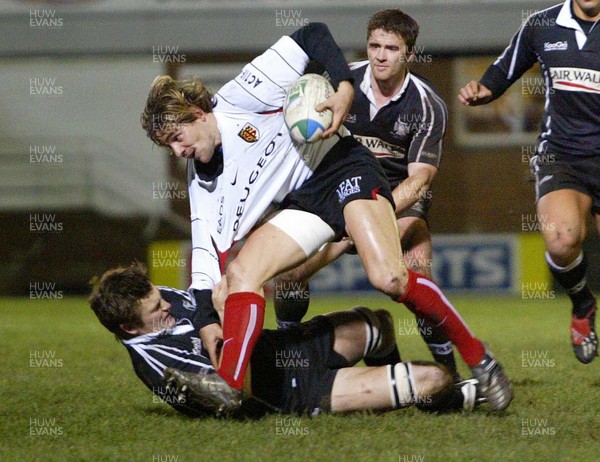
[[249, 133], [351, 118], [401, 128], [348, 187]]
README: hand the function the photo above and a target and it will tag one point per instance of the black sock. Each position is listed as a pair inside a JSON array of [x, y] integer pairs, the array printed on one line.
[[440, 347], [291, 300], [573, 279]]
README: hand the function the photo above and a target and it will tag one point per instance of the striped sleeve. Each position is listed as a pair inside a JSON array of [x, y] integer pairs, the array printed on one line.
[[156, 357], [427, 144], [262, 85], [516, 59], [150, 360]]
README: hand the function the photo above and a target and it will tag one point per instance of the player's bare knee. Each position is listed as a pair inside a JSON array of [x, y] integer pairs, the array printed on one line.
[[294, 276], [238, 273], [434, 384], [563, 246], [391, 283]]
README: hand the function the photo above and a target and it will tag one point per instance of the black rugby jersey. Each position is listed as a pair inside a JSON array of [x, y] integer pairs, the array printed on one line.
[[179, 347], [570, 63], [409, 128]]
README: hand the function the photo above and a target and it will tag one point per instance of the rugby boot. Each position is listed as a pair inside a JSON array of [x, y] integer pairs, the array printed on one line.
[[493, 384], [584, 338], [208, 391]]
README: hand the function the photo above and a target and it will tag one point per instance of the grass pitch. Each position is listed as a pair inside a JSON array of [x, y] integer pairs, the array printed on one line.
[[68, 392]]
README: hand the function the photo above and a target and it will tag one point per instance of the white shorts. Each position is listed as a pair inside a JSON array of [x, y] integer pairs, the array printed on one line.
[[308, 230]]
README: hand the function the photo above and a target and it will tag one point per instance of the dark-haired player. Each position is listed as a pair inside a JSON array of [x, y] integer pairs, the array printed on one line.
[[565, 40], [402, 119], [302, 370]]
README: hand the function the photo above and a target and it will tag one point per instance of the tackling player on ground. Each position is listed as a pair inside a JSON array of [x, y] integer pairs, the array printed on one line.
[[402, 119], [158, 326], [565, 39], [328, 189]]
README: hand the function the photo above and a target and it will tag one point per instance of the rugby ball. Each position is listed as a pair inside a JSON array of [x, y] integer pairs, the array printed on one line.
[[306, 125]]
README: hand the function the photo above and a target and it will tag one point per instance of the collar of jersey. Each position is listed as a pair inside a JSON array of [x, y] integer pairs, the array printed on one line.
[[365, 86], [210, 171], [181, 329], [565, 19]]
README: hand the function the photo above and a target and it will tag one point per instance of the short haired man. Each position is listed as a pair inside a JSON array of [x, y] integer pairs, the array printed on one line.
[[158, 327]]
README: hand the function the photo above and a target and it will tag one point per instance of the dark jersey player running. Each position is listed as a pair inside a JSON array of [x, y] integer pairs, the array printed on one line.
[[565, 40], [401, 118]]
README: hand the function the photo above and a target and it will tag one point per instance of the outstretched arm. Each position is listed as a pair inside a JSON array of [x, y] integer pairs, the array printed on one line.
[[517, 58]]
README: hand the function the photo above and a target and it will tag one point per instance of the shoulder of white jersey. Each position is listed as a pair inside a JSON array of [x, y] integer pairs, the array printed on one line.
[[262, 84]]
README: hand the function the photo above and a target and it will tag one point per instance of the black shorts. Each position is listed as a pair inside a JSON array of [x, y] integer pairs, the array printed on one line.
[[348, 172], [294, 369], [562, 171]]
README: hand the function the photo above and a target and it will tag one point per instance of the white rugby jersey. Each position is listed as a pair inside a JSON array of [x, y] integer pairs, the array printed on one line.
[[261, 162]]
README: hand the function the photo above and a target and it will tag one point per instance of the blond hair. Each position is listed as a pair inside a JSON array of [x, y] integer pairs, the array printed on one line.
[[171, 103]]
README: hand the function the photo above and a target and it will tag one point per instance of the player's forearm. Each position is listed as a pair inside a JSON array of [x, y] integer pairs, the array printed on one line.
[[407, 193], [512, 64], [318, 43], [496, 81]]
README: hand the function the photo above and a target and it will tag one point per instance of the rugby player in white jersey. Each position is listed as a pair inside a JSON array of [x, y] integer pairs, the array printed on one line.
[[565, 40], [242, 158]]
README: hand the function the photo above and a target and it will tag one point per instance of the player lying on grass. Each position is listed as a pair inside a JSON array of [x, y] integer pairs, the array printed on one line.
[[241, 158], [306, 369], [402, 119]]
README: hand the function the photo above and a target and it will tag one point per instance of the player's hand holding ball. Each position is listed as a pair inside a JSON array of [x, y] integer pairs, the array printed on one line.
[[313, 110], [340, 103]]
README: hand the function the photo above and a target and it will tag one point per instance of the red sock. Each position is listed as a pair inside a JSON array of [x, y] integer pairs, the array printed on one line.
[[242, 324], [425, 298]]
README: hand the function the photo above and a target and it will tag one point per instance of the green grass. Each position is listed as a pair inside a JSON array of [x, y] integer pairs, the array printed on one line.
[[101, 411]]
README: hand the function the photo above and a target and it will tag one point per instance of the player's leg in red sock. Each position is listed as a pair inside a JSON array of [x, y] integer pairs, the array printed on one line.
[[424, 298], [242, 324], [267, 252], [372, 226]]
